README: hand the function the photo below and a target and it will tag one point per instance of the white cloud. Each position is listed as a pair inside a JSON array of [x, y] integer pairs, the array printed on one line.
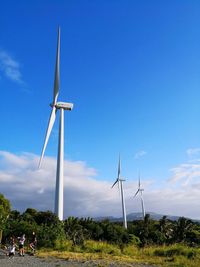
[[193, 151], [185, 173], [26, 186], [10, 67], [140, 154], [84, 195]]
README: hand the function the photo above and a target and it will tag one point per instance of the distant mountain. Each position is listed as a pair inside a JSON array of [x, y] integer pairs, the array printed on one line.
[[110, 218], [138, 216]]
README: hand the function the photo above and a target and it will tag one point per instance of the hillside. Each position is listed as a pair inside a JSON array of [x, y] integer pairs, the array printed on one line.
[[138, 216]]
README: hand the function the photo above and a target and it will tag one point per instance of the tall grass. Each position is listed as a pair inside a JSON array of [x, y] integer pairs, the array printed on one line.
[[175, 255], [89, 246]]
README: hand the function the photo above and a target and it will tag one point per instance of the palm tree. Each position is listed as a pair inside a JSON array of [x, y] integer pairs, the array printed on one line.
[[166, 229], [74, 230], [182, 227]]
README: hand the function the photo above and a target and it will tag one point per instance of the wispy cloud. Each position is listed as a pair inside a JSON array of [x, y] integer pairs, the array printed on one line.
[[193, 151], [140, 154], [10, 67], [185, 173]]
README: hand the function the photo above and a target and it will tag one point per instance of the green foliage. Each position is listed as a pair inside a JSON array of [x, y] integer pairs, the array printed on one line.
[[5, 208], [76, 234], [17, 228], [46, 217], [47, 226], [50, 235], [74, 231], [14, 215], [181, 228], [115, 233], [176, 250], [193, 237], [134, 240], [63, 245], [51, 231]]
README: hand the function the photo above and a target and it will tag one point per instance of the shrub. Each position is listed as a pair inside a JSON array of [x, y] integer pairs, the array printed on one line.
[[175, 250], [131, 250], [134, 240], [63, 245], [101, 247], [48, 236]]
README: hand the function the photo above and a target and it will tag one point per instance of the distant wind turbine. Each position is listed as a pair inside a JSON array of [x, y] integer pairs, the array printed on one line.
[[120, 181], [140, 190], [60, 157]]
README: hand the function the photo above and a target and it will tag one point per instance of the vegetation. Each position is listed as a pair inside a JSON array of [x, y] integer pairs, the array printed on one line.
[[4, 213], [176, 255], [163, 242]]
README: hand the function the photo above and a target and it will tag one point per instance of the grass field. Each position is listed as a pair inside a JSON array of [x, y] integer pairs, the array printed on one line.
[[175, 255]]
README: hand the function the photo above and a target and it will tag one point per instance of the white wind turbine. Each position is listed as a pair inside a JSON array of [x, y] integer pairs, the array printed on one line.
[[120, 181], [140, 190], [60, 157]]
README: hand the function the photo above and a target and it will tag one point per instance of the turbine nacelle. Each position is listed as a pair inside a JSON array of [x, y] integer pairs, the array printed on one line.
[[64, 105]]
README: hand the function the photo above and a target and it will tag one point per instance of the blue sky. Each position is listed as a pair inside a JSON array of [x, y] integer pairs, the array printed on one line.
[[132, 70]]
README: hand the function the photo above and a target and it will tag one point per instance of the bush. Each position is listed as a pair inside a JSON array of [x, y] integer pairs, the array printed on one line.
[[49, 236], [134, 240], [63, 245], [131, 250], [175, 250]]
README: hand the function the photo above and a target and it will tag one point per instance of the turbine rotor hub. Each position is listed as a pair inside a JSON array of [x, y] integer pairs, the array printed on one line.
[[63, 105]]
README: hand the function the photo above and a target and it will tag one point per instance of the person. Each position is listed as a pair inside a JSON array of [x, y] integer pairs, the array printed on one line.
[[21, 245], [33, 243], [11, 247]]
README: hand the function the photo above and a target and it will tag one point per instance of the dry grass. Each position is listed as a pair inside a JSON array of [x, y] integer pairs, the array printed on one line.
[[168, 256]]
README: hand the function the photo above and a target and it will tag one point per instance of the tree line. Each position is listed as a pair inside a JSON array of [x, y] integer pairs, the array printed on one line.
[[50, 229]]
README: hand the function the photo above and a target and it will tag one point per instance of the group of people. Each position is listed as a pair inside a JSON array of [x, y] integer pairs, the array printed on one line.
[[21, 240]]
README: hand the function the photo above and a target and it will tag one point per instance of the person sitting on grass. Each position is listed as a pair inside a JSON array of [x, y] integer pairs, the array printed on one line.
[[11, 247]]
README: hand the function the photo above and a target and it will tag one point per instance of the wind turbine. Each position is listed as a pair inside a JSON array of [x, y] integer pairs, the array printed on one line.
[[140, 190], [60, 157], [120, 181]]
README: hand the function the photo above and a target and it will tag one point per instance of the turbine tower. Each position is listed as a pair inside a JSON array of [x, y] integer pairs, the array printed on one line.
[[120, 181], [140, 190], [60, 157]]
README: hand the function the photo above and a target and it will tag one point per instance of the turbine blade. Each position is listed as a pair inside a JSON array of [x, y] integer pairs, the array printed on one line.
[[136, 192], [119, 168], [139, 181], [57, 71], [114, 183], [50, 126]]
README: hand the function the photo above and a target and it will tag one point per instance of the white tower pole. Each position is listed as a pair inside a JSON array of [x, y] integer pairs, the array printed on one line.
[[60, 169], [123, 205], [143, 208], [60, 158]]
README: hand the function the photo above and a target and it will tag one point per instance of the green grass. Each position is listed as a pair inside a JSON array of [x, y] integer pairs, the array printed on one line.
[[170, 256]]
